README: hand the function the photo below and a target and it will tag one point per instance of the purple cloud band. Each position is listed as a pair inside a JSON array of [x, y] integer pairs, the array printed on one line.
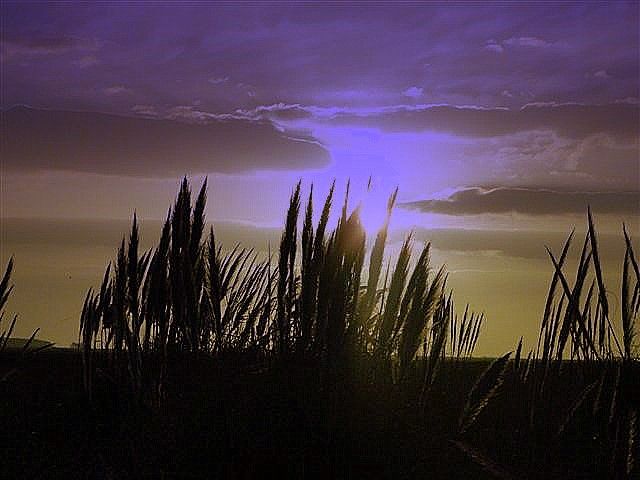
[[477, 200], [112, 144]]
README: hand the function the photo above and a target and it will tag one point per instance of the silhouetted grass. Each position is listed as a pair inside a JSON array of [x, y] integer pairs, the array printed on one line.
[[208, 361], [572, 405], [190, 295], [197, 298], [24, 347]]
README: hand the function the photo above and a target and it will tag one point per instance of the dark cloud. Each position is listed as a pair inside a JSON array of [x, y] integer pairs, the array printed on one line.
[[477, 200], [111, 144], [44, 45], [567, 120], [325, 54]]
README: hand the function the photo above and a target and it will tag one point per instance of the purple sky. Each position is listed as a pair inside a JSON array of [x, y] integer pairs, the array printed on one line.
[[437, 98], [489, 117], [230, 56]]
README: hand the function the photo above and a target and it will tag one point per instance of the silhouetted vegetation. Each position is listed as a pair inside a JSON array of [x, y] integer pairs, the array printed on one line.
[[12, 350], [322, 361], [571, 407], [189, 295]]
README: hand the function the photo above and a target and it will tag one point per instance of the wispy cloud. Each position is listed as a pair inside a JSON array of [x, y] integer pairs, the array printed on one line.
[[413, 92], [599, 74], [494, 46], [44, 45], [279, 111], [533, 42], [86, 61], [217, 80], [145, 110], [568, 120], [117, 90], [519, 42]]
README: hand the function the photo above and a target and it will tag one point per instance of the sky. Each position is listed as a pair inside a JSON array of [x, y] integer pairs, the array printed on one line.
[[491, 118]]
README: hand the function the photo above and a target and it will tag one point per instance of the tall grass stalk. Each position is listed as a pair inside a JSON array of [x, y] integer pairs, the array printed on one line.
[[190, 295]]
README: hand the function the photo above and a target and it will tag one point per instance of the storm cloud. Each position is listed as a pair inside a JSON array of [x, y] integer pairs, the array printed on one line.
[[575, 121], [111, 144]]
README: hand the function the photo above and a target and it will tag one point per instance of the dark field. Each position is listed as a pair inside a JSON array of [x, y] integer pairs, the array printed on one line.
[[234, 418], [242, 418]]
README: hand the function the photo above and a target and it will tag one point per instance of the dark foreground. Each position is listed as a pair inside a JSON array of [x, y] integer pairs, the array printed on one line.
[[238, 418], [303, 371], [231, 420]]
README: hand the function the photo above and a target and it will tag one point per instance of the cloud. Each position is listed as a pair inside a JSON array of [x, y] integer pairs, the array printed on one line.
[[86, 61], [116, 90], [533, 42], [621, 120], [494, 46], [189, 113], [34, 45], [218, 80], [604, 159], [542, 144], [294, 58], [145, 110], [529, 201], [530, 42], [599, 74], [413, 92], [250, 90], [542, 157], [277, 111], [110, 144]]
